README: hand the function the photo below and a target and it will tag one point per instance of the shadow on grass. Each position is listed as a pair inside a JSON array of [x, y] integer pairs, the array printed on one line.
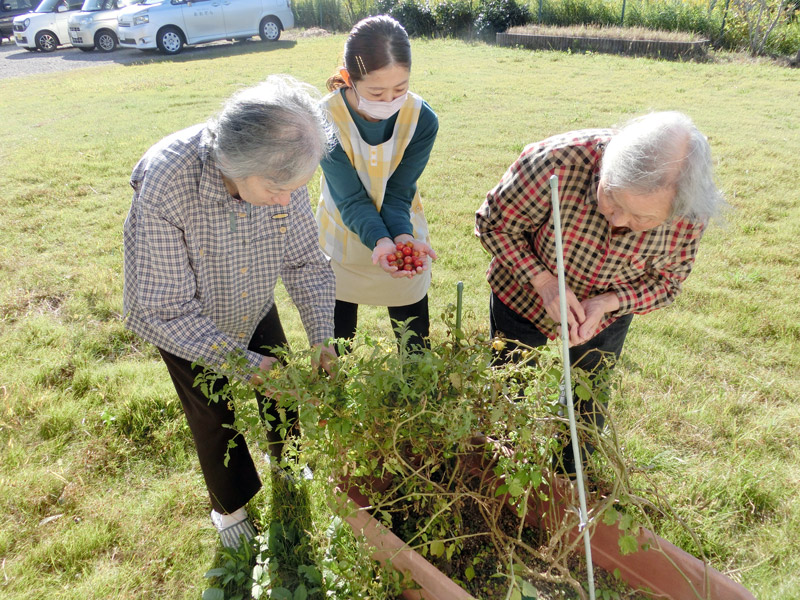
[[213, 50], [281, 562]]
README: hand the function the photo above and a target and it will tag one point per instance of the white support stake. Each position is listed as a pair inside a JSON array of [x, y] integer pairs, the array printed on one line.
[[573, 430]]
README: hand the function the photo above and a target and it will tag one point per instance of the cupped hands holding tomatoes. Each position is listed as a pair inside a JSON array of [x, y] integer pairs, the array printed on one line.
[[402, 257]]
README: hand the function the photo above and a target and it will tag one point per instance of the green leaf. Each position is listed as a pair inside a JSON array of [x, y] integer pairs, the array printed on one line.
[[627, 544], [218, 572], [281, 593], [582, 392], [502, 489], [528, 590], [301, 593], [469, 573], [536, 478], [213, 594], [311, 573], [437, 548], [626, 521], [516, 595], [450, 550], [610, 516], [515, 488]]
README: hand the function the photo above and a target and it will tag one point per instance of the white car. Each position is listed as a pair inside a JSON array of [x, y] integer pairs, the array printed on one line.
[[95, 26], [45, 28], [169, 24]]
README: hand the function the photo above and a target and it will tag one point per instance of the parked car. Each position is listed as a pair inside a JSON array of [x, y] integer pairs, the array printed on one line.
[[45, 28], [95, 26], [10, 9], [170, 24]]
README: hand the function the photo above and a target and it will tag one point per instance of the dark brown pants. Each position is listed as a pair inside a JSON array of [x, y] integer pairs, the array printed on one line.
[[230, 487]]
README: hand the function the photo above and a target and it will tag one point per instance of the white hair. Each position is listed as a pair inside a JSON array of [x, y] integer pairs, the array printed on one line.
[[664, 150], [275, 129]]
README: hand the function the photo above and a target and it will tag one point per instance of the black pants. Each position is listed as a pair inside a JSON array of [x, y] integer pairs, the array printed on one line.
[[599, 353], [345, 321], [229, 487]]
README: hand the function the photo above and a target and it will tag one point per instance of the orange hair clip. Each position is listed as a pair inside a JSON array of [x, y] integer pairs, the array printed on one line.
[[345, 75]]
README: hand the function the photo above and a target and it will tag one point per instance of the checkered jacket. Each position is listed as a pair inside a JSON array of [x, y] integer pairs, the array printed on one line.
[[201, 267], [645, 269]]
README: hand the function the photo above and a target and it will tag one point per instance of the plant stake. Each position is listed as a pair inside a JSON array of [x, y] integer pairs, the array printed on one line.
[[459, 303], [573, 431]]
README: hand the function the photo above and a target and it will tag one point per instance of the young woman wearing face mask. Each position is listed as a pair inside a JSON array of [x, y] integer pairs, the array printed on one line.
[[370, 203]]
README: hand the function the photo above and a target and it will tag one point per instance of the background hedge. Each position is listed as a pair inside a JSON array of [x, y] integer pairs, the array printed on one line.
[[724, 22]]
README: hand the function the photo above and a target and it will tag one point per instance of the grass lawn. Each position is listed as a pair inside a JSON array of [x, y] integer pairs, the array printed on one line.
[[100, 492]]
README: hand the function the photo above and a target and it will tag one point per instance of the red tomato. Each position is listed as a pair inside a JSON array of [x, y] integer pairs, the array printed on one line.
[[399, 245], [407, 251], [408, 267]]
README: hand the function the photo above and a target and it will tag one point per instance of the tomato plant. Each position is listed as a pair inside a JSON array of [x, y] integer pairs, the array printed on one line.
[[433, 423]]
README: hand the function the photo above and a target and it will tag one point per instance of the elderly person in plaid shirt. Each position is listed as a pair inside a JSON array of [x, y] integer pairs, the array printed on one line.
[[220, 211], [634, 204]]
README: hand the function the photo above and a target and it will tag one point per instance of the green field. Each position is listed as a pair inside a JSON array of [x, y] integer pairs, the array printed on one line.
[[100, 492]]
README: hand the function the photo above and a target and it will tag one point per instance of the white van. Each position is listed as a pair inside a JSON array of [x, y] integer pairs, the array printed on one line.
[[169, 24], [45, 28], [95, 26]]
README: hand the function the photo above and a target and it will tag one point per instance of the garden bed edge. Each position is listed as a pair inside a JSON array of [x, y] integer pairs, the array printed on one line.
[[670, 49]]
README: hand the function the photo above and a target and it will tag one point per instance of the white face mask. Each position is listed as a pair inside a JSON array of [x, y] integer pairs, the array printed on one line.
[[377, 109]]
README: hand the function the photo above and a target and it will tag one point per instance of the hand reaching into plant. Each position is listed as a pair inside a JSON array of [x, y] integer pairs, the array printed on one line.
[[584, 317], [403, 257], [267, 362], [546, 285], [324, 357], [595, 309]]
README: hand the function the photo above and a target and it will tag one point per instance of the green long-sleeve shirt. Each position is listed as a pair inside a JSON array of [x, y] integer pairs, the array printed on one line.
[[356, 207]]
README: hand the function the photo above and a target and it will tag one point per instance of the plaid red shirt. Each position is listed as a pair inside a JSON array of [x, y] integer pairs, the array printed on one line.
[[645, 269]]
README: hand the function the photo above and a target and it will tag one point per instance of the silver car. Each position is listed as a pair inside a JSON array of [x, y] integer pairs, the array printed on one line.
[[96, 25], [170, 24]]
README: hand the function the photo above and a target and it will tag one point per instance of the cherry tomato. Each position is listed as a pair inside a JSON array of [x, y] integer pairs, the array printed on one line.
[[399, 245], [418, 263], [407, 251], [408, 259], [408, 267]]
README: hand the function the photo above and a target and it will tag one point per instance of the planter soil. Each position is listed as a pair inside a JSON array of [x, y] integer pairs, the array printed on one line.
[[659, 569]]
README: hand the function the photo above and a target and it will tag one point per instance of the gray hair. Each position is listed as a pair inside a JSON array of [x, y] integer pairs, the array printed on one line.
[[275, 129], [664, 150]]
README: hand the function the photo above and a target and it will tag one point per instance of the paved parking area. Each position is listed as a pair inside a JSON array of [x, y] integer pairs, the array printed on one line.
[[16, 61]]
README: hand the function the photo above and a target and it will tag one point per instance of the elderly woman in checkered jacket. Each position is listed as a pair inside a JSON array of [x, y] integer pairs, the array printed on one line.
[[634, 205], [220, 211]]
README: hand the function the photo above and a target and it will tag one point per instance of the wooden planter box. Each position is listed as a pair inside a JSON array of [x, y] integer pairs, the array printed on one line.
[[653, 48], [663, 570]]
